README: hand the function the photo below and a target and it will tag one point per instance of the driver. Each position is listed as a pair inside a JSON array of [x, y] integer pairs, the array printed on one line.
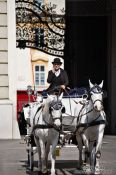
[[57, 77]]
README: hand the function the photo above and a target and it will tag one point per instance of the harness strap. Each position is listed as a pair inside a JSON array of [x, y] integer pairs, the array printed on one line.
[[36, 114], [41, 126], [38, 110], [52, 126], [94, 123]]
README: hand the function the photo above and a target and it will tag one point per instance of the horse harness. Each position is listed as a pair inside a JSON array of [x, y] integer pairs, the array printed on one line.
[[47, 125], [95, 121]]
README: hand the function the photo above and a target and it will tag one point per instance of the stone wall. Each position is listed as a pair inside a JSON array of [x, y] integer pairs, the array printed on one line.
[[8, 126], [3, 51]]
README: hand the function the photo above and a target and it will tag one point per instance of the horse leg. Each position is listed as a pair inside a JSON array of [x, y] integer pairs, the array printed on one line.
[[86, 144], [39, 154], [98, 148], [44, 166], [86, 165], [97, 166], [93, 159], [53, 155], [47, 152], [80, 147]]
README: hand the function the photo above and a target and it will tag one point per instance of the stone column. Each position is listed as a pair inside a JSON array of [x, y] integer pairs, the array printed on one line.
[[12, 65], [5, 103]]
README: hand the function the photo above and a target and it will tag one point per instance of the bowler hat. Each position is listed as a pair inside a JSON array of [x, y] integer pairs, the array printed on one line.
[[56, 61]]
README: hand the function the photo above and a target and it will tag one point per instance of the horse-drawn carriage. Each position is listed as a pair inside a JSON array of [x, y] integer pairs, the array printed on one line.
[[69, 102], [80, 114]]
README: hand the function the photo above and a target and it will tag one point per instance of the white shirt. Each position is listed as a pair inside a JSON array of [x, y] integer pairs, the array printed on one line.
[[57, 73]]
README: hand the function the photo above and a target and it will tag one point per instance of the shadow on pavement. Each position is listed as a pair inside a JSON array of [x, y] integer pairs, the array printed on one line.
[[69, 168]]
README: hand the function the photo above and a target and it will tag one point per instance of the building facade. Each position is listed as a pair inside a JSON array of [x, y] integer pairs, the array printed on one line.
[[9, 63], [17, 66]]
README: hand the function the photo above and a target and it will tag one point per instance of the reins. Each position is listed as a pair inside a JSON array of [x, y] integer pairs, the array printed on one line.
[[73, 100], [36, 114]]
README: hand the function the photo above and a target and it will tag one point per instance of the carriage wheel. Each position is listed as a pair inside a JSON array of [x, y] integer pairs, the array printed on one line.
[[28, 156]]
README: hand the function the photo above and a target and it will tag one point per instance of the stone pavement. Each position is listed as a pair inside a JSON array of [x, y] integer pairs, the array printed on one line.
[[13, 158]]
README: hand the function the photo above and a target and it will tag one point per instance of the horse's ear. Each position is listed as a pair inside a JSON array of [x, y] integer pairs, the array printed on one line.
[[60, 97], [50, 97], [90, 84], [101, 85]]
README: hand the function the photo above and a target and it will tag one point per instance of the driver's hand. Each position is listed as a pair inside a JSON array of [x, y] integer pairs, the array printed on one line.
[[53, 70], [62, 86]]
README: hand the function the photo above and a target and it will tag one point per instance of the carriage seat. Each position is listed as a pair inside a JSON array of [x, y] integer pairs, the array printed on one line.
[[78, 92]]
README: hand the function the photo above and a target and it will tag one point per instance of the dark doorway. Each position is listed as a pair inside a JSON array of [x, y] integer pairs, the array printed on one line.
[[86, 49], [86, 52]]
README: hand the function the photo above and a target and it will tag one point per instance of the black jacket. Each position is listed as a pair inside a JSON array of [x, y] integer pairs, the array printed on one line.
[[55, 81]]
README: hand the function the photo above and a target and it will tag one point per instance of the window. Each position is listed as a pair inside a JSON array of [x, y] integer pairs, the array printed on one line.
[[39, 75]]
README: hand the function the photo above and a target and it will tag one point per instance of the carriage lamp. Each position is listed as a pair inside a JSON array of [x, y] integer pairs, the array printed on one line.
[[29, 91]]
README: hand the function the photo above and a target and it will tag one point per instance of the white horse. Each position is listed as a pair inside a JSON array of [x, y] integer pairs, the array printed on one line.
[[46, 121], [91, 120]]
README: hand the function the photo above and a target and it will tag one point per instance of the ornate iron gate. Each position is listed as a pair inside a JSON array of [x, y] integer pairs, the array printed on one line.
[[40, 26]]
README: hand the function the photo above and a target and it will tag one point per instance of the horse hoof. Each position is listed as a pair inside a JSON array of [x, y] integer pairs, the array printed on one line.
[[97, 173]]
